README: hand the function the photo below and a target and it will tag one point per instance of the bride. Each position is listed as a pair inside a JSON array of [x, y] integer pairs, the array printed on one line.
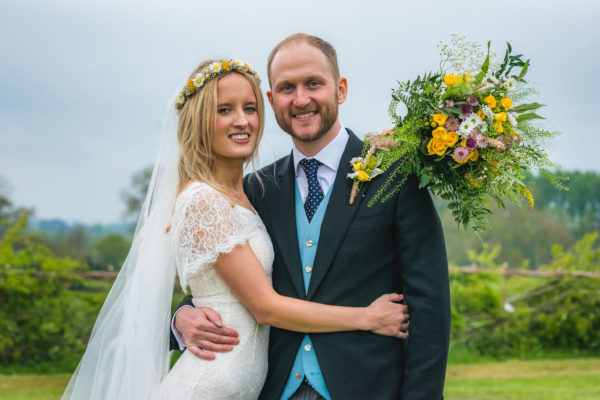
[[196, 220]]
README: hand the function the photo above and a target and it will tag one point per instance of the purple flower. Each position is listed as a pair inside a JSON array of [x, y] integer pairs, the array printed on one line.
[[471, 143], [449, 103], [452, 124], [482, 141], [461, 154], [466, 108], [472, 100], [516, 140], [505, 141]]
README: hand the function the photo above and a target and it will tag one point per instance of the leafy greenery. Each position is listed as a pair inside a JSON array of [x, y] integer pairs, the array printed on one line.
[[524, 317], [46, 310]]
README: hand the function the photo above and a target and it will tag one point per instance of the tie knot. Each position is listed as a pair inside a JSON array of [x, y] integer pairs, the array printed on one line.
[[310, 166]]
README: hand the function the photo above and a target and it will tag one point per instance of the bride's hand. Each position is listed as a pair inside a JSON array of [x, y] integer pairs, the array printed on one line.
[[387, 317]]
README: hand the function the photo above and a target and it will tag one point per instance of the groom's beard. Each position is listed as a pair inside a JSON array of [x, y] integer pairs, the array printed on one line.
[[328, 115]]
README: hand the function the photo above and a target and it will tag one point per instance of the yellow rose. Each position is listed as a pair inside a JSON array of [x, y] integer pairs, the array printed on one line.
[[474, 155], [451, 139], [439, 133], [450, 80], [440, 118], [501, 117], [481, 115], [506, 102], [358, 165], [363, 176], [436, 146], [490, 101], [225, 65], [498, 126]]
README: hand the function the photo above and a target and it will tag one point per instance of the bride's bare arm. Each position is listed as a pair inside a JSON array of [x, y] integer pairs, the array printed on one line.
[[241, 270]]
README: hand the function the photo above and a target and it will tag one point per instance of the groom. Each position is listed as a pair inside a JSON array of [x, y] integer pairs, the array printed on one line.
[[341, 254]]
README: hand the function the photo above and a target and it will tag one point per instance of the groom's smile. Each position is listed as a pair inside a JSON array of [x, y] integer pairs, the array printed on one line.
[[305, 95], [305, 116]]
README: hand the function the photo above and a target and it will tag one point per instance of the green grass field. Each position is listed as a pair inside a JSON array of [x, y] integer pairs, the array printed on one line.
[[575, 379]]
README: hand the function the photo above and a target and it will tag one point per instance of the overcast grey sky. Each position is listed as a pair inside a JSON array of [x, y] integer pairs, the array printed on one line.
[[84, 85]]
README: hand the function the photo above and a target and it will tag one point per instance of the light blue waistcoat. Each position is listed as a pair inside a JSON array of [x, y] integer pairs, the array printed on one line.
[[306, 363]]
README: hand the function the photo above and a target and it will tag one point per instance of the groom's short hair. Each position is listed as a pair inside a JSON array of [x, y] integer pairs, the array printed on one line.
[[323, 45]]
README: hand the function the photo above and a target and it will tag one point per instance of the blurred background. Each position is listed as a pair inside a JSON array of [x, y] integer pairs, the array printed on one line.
[[84, 88]]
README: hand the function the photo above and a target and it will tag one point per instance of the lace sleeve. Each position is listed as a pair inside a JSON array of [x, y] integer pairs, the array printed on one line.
[[207, 227]]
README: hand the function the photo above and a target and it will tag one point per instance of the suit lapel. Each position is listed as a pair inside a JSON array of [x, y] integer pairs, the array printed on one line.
[[284, 231], [338, 216]]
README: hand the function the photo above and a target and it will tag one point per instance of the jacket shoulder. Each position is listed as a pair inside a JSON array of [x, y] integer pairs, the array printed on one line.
[[256, 182]]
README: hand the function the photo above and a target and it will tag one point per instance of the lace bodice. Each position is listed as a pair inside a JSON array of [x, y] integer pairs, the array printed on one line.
[[204, 226]]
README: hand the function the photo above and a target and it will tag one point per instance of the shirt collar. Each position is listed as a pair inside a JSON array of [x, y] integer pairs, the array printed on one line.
[[329, 155]]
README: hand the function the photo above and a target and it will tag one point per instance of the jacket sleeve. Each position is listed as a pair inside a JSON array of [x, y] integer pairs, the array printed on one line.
[[187, 301], [424, 280]]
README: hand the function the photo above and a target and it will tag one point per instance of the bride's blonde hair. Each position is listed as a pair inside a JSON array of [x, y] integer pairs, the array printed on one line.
[[196, 127]]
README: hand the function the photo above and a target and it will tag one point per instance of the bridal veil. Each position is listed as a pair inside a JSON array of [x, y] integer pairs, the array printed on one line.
[[127, 354]]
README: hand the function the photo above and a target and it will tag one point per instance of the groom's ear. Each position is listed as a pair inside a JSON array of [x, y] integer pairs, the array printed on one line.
[[342, 90], [270, 97]]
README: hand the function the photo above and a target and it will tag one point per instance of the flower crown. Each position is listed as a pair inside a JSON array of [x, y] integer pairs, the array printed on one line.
[[211, 71]]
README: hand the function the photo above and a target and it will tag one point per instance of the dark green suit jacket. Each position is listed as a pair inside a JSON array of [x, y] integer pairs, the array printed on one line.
[[363, 253]]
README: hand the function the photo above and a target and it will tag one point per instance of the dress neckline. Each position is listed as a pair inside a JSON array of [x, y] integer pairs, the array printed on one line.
[[252, 211]]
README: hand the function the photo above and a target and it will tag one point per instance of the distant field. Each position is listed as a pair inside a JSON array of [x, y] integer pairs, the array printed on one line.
[[32, 387], [576, 379]]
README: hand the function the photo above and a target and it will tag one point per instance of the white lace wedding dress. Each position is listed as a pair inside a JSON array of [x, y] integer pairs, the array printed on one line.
[[205, 225]]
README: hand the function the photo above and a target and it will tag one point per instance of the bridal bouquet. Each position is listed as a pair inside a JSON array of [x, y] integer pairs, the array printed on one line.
[[468, 134]]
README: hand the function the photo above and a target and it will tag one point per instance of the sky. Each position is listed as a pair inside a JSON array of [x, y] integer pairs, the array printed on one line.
[[85, 84]]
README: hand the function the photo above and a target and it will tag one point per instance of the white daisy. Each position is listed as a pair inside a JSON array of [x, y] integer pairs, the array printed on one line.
[[491, 78], [510, 84], [215, 67], [198, 80], [467, 126], [237, 64]]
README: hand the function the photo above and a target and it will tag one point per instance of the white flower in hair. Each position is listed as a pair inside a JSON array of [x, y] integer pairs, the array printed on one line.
[[198, 80], [215, 67], [209, 72], [238, 64]]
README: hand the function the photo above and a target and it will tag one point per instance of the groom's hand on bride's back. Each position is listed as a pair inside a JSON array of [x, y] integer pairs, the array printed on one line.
[[203, 332]]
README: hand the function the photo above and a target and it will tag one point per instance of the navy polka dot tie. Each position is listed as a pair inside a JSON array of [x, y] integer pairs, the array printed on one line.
[[315, 193]]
